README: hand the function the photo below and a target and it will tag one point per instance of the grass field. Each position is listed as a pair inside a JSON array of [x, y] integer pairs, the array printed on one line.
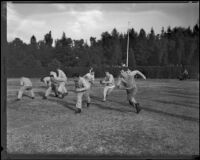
[[167, 125]]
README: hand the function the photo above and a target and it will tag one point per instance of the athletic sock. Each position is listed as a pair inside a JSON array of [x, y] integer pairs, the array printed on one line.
[[131, 103], [138, 109], [44, 97]]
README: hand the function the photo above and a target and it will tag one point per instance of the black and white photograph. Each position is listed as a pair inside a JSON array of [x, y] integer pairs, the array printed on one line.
[[101, 79]]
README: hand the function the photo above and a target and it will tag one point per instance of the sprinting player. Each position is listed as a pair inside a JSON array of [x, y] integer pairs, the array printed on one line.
[[53, 85], [127, 81], [46, 80], [62, 78], [82, 87], [26, 85], [109, 83], [90, 76]]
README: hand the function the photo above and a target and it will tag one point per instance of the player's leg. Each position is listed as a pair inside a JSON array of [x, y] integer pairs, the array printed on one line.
[[110, 89], [55, 89], [131, 98], [31, 92], [47, 93], [87, 96], [105, 90], [20, 93], [63, 89], [79, 102]]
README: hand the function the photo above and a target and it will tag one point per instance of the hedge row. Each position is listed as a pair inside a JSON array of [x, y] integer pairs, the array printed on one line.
[[149, 71]]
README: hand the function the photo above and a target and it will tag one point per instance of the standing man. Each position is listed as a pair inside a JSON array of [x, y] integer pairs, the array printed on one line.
[[62, 78], [127, 81], [82, 87], [26, 85], [109, 83]]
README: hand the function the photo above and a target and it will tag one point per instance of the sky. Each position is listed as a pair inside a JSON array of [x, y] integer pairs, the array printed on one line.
[[85, 20]]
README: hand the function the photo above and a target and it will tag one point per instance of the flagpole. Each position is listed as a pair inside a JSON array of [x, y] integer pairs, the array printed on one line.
[[127, 47]]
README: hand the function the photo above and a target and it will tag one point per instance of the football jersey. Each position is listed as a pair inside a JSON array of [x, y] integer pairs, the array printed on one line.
[[61, 75], [130, 80], [82, 83], [25, 82], [110, 78], [89, 77]]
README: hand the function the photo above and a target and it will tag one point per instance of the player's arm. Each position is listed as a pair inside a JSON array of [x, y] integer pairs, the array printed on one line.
[[58, 80], [103, 81], [109, 81], [82, 89], [133, 73], [55, 80], [92, 80], [85, 76], [121, 82], [21, 82]]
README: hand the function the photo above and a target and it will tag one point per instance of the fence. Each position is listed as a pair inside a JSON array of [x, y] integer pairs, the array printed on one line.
[[149, 71]]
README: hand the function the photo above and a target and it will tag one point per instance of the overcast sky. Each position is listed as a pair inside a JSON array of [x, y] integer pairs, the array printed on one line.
[[83, 20]]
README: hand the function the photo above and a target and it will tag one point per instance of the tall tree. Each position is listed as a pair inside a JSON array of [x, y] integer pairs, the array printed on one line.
[[48, 39]]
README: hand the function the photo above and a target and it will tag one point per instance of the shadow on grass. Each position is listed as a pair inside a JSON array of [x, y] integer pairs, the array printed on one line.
[[26, 95], [106, 107], [193, 119], [114, 109], [176, 103], [40, 93], [182, 95], [63, 103]]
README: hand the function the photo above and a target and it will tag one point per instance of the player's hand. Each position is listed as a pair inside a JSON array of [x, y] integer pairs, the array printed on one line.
[[118, 86]]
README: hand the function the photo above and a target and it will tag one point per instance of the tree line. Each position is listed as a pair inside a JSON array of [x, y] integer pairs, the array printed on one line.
[[172, 47]]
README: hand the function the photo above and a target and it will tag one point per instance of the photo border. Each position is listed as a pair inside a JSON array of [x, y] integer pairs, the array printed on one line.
[[4, 154]]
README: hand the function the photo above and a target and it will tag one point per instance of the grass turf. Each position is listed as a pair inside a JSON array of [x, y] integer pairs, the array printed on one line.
[[167, 125]]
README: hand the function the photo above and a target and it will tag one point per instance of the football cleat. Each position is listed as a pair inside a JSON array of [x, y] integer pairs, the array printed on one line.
[[78, 110], [138, 108]]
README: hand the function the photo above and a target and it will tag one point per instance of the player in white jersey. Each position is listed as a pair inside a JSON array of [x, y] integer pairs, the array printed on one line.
[[109, 83], [52, 86], [127, 81], [82, 87], [62, 78], [26, 85], [90, 77]]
